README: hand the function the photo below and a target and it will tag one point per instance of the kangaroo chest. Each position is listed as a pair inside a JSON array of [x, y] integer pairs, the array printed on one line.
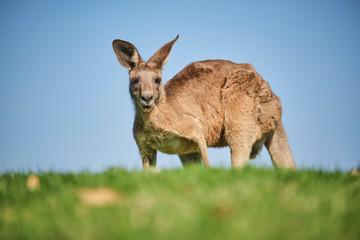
[[166, 142]]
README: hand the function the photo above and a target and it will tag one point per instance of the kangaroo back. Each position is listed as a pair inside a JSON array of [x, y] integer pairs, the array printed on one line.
[[198, 90]]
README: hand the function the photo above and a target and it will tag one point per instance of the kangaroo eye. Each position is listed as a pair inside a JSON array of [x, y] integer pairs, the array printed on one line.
[[157, 80], [134, 81]]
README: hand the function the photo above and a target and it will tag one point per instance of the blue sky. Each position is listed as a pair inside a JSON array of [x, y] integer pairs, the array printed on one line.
[[64, 101]]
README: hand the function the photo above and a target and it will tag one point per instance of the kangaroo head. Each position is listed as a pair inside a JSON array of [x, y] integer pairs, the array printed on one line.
[[146, 85]]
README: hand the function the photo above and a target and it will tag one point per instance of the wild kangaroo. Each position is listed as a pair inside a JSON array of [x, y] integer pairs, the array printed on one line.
[[213, 103]]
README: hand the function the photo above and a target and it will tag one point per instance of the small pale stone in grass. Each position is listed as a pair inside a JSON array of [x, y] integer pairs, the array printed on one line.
[[153, 170], [355, 172], [33, 182], [99, 196]]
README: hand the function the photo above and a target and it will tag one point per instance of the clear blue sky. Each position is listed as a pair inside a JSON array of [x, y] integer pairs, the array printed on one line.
[[64, 101]]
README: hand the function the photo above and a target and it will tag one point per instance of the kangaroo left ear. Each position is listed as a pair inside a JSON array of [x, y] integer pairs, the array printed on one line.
[[127, 54], [159, 59]]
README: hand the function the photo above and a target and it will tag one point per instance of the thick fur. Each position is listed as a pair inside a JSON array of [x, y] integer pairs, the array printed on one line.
[[213, 103]]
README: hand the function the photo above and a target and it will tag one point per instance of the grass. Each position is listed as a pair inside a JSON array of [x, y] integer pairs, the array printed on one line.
[[192, 203]]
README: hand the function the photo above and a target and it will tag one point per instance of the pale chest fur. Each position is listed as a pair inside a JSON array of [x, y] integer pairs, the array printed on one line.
[[169, 142]]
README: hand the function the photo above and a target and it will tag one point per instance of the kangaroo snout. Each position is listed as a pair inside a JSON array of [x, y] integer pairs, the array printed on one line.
[[147, 102], [147, 97]]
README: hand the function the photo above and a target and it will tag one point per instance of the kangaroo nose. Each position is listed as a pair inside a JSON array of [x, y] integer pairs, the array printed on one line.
[[147, 97]]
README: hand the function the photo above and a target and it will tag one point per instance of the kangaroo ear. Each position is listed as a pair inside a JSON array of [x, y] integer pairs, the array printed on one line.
[[161, 56], [126, 53]]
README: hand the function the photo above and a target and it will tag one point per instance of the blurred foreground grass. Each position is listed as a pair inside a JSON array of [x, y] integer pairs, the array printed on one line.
[[181, 204]]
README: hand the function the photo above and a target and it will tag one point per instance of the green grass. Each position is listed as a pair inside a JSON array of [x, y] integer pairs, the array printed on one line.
[[184, 204]]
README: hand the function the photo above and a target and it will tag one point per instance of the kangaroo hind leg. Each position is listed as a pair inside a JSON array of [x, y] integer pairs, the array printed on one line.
[[240, 116], [240, 138]]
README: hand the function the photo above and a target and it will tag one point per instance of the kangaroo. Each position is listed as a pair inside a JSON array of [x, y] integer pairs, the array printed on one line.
[[212, 103]]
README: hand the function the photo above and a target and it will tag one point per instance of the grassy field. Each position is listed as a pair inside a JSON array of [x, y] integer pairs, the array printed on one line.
[[189, 203]]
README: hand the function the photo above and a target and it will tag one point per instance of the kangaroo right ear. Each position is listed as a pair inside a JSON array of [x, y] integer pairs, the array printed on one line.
[[127, 54]]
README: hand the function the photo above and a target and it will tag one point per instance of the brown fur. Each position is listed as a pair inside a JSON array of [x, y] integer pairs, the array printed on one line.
[[211, 103]]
